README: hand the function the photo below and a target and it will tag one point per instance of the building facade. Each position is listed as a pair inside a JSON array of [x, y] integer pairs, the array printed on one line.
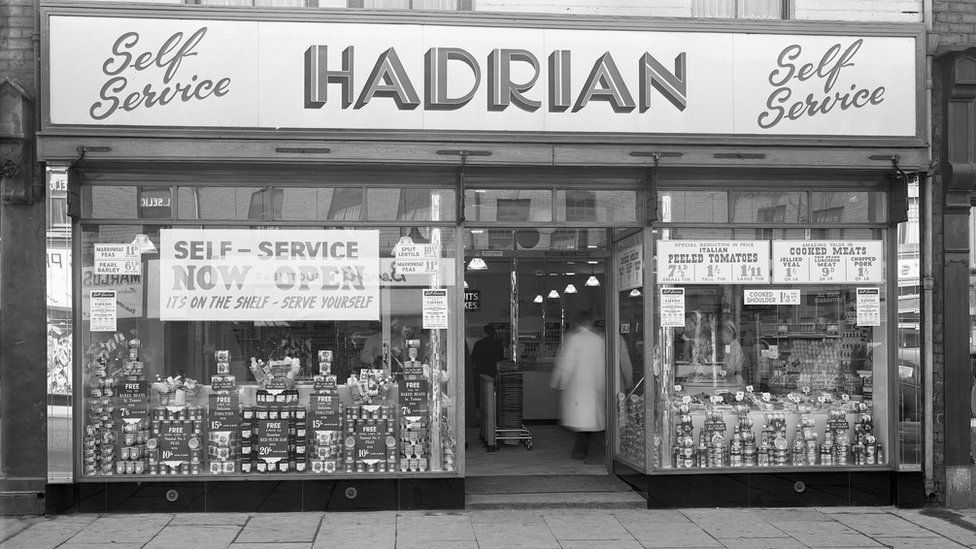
[[741, 194]]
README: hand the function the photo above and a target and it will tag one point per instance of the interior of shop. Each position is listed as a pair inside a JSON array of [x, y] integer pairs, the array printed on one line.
[[538, 299]]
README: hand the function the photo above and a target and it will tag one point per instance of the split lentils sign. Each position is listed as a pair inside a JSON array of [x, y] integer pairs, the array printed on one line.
[[276, 275], [264, 74]]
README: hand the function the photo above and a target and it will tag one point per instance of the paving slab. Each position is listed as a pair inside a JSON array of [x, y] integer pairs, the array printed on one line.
[[219, 519], [514, 536], [791, 515], [919, 543], [281, 527], [964, 532], [44, 535], [290, 545], [436, 544], [821, 534], [122, 529], [872, 524], [99, 545], [743, 526], [600, 544], [761, 543], [200, 535], [434, 528], [651, 515], [669, 534], [586, 527]]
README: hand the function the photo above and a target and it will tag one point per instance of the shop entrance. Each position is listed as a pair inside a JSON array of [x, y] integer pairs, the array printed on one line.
[[548, 317]]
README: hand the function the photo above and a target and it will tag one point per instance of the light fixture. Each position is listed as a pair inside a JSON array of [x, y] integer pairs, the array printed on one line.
[[477, 264], [480, 191], [570, 274], [592, 281], [593, 262], [635, 293], [465, 284], [477, 231], [538, 298], [570, 289], [144, 245], [553, 294]]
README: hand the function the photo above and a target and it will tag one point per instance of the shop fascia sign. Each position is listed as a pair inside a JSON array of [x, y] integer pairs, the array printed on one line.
[[188, 72]]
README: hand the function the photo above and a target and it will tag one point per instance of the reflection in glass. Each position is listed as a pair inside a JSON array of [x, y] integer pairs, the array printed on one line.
[[769, 207], [694, 206], [409, 204], [110, 202], [596, 206], [848, 207], [333, 204], [508, 205], [241, 203]]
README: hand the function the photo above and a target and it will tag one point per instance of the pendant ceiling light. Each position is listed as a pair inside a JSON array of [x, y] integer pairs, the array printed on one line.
[[144, 244], [477, 264], [635, 293], [465, 284], [570, 289], [553, 294], [592, 281], [538, 298]]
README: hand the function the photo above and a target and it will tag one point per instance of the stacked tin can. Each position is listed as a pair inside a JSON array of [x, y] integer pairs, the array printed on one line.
[[163, 419], [296, 428], [742, 451], [131, 394], [836, 439], [805, 444], [868, 450], [713, 438], [324, 419], [683, 454], [224, 419], [414, 440], [778, 447], [132, 450]]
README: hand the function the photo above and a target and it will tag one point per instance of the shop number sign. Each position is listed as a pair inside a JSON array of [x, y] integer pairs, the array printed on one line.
[[828, 262], [713, 262]]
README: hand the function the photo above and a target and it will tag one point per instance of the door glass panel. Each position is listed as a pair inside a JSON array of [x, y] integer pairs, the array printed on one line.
[[628, 378]]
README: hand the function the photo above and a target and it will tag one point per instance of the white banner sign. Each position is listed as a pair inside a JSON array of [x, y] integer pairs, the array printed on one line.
[[435, 309], [269, 275], [713, 262], [102, 311], [630, 268], [869, 307], [672, 307], [118, 259], [358, 75], [828, 262], [771, 297]]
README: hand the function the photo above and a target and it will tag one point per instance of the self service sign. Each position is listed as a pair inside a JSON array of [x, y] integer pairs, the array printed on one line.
[[269, 275], [382, 76]]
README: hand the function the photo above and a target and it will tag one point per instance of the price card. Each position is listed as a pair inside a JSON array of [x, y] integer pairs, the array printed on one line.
[[677, 388], [224, 412], [174, 442], [739, 395], [686, 399], [672, 305], [414, 397], [713, 262], [869, 307], [767, 397], [371, 441], [828, 262], [133, 399], [770, 297], [118, 259], [749, 389], [324, 412], [717, 399], [272, 440]]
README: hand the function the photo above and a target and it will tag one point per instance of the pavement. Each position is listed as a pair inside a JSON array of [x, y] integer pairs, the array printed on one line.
[[492, 529]]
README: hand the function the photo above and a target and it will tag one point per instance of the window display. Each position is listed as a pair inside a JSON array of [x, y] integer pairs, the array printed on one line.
[[775, 352], [247, 352]]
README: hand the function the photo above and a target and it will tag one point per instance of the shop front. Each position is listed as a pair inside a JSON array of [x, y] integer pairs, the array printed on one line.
[[284, 237]]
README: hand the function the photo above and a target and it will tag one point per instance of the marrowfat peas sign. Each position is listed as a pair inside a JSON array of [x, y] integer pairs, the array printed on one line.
[[208, 73]]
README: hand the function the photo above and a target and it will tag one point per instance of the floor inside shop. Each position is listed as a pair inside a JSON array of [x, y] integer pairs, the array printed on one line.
[[551, 445]]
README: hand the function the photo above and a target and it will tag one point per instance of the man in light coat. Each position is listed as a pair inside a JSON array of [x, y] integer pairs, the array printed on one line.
[[580, 374]]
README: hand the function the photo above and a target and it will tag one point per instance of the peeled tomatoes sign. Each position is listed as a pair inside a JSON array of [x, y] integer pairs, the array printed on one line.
[[269, 275], [713, 262]]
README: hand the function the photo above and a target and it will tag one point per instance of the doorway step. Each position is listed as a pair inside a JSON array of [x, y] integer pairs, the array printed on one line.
[[551, 491]]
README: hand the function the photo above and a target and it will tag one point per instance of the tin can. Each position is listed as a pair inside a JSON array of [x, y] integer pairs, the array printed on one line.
[[262, 466], [140, 467], [130, 467]]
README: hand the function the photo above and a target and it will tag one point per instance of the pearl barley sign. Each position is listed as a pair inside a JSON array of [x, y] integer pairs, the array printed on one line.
[[206, 73]]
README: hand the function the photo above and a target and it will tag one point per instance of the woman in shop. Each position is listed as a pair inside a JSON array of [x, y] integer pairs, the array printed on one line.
[[734, 355], [580, 374]]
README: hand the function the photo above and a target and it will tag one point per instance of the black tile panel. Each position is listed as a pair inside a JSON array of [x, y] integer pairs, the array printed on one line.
[[155, 497]]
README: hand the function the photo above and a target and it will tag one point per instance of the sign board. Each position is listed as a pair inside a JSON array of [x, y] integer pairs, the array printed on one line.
[[414, 397], [58, 278], [272, 440], [155, 203], [133, 399], [174, 442], [435, 308], [869, 307], [226, 274], [672, 307], [713, 262], [224, 413], [289, 74], [472, 300], [414, 258], [371, 441], [127, 288], [771, 296], [101, 311], [828, 262], [324, 413], [630, 268], [118, 259]]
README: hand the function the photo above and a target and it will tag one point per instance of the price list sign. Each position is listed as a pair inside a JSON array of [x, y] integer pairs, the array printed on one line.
[[133, 400], [414, 397], [324, 413], [272, 443], [174, 443], [828, 262], [224, 412], [713, 262], [371, 441]]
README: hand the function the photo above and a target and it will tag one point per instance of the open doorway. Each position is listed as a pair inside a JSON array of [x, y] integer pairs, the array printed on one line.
[[527, 308]]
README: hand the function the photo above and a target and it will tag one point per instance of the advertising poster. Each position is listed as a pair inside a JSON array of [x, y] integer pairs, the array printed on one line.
[[771, 296], [869, 307], [101, 311], [672, 307], [630, 273], [713, 262], [269, 275], [828, 262], [435, 309], [127, 288]]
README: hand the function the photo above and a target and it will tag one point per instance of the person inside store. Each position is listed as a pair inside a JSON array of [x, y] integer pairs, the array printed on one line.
[[485, 356], [693, 344], [403, 340], [372, 354], [580, 375], [733, 354]]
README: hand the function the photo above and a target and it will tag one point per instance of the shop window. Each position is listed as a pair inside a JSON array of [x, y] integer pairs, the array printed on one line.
[[110, 202], [332, 204], [597, 206], [410, 204], [769, 207], [740, 9], [693, 206], [224, 203], [202, 358], [508, 205], [848, 207], [441, 5]]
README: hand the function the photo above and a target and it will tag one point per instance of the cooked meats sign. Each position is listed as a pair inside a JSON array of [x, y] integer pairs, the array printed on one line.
[[249, 275], [185, 72]]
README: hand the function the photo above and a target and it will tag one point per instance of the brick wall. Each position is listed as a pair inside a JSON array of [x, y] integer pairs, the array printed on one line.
[[955, 22], [16, 46], [891, 11]]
